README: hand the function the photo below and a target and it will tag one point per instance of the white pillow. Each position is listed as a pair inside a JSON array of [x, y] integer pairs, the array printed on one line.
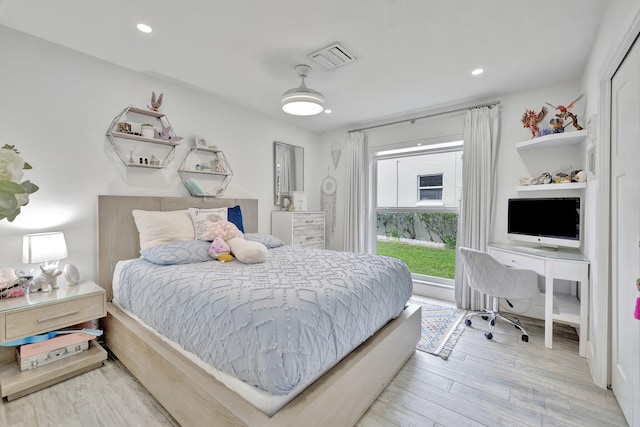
[[162, 227], [204, 218]]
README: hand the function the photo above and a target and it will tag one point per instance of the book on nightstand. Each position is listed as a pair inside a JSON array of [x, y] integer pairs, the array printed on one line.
[[30, 356]]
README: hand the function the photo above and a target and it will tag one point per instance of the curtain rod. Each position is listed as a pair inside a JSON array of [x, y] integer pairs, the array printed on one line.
[[488, 104]]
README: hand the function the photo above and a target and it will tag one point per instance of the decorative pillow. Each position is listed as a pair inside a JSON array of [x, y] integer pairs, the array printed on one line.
[[234, 215], [223, 229], [247, 251], [161, 227], [203, 219], [178, 253], [266, 239]]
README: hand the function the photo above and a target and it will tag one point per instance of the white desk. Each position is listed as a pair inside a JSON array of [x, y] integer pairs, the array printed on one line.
[[564, 264]]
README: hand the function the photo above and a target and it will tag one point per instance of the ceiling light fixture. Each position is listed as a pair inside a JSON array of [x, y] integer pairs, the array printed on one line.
[[477, 71], [144, 28], [302, 101]]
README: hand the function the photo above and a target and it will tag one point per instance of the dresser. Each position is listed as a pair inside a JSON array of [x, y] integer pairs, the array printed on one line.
[[299, 228], [566, 264]]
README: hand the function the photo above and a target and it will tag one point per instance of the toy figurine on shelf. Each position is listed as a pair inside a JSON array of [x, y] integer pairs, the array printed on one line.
[[155, 103], [557, 125], [565, 112], [531, 119]]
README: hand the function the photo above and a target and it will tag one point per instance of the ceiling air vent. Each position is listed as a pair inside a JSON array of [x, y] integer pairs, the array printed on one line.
[[332, 56]]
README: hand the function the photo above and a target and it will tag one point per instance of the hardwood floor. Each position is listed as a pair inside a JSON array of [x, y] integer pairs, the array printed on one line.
[[498, 382]]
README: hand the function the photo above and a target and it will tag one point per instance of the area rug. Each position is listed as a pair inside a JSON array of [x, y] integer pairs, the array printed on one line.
[[441, 328]]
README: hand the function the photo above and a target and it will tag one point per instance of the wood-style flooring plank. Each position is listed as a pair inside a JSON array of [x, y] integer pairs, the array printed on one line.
[[498, 382]]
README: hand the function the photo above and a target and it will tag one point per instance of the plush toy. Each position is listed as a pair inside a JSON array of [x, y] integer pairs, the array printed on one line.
[[220, 250], [245, 251]]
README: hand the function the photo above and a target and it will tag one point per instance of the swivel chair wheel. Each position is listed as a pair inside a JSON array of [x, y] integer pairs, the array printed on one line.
[[467, 322], [489, 335], [493, 322], [485, 317], [525, 338]]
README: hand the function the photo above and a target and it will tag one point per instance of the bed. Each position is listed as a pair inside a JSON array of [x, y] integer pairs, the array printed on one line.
[[188, 390]]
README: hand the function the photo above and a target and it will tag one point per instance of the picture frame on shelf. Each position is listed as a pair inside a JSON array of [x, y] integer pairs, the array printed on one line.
[[286, 203], [201, 141]]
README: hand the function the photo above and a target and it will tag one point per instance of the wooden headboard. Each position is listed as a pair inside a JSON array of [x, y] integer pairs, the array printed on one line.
[[118, 235]]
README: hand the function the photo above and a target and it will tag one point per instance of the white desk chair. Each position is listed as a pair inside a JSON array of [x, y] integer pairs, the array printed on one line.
[[488, 276]]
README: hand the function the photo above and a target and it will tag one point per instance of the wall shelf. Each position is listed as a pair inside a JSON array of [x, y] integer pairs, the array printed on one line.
[[126, 145], [142, 138], [217, 174], [553, 140], [553, 187]]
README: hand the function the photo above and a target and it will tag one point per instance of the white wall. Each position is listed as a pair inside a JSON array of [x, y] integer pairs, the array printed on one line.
[[618, 28], [56, 105], [398, 179], [513, 165]]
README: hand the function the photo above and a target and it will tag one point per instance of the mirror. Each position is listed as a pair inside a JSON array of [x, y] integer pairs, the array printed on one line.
[[289, 168]]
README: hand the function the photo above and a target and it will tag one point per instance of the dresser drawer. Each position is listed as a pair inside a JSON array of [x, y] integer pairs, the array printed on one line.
[[53, 316], [315, 240], [308, 219], [518, 261]]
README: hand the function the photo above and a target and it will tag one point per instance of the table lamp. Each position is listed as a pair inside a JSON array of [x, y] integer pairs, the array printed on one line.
[[48, 248]]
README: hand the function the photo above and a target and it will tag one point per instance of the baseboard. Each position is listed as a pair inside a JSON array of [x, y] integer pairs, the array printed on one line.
[[444, 293]]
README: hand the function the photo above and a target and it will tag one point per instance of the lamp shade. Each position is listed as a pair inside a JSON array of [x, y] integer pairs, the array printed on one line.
[[43, 247], [302, 101]]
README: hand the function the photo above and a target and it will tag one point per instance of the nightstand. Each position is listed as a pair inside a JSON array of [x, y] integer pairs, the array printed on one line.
[[38, 313]]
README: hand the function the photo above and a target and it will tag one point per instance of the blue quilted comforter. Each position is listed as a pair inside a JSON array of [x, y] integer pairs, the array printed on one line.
[[273, 325]]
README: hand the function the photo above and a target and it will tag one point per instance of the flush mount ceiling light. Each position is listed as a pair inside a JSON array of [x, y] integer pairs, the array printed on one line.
[[302, 101], [477, 71], [144, 28]]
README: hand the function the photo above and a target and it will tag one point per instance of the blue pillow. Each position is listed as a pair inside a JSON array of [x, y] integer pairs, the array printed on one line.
[[186, 252], [266, 239], [234, 215]]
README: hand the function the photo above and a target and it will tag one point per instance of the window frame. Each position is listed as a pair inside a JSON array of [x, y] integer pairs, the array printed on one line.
[[451, 143], [431, 202]]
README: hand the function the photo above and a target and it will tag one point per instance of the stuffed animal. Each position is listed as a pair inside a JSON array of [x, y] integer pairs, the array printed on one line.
[[245, 251], [220, 250]]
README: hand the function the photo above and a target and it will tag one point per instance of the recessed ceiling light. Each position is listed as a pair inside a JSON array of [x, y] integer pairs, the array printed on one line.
[[477, 71], [328, 111], [144, 28]]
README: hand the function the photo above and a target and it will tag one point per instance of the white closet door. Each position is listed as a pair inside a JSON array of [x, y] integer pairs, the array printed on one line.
[[625, 233]]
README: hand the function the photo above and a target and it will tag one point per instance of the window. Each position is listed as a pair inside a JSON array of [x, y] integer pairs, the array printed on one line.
[[430, 188], [417, 194]]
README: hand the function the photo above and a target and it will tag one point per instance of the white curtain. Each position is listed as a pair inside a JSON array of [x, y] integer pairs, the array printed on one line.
[[481, 143], [355, 192]]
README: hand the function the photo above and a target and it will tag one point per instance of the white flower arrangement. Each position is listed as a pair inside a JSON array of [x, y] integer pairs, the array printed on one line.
[[13, 193]]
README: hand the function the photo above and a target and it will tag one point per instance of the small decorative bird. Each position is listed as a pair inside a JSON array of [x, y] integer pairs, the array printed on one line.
[[565, 112], [155, 104]]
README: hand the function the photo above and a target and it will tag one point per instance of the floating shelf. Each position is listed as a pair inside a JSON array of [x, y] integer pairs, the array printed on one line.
[[206, 172], [139, 165], [553, 140], [218, 180], [553, 187], [124, 149], [142, 138]]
